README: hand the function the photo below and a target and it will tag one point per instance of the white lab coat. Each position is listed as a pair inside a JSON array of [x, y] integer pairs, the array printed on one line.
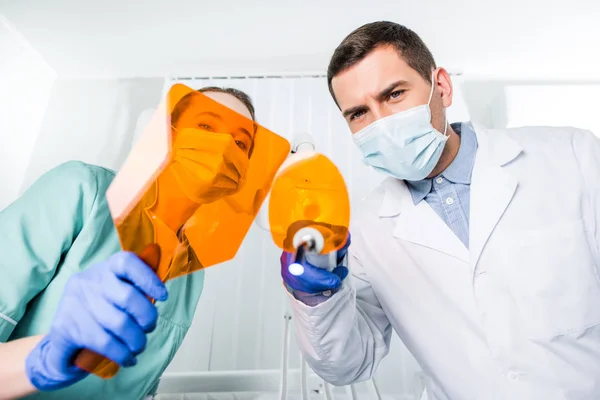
[[517, 316]]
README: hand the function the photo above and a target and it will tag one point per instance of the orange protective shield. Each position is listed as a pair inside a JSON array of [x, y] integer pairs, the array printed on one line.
[[309, 191], [192, 185]]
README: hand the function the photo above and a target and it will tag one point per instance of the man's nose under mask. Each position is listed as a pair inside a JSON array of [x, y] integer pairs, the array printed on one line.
[[404, 145]]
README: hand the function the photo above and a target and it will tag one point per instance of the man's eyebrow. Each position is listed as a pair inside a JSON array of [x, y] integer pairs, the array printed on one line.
[[354, 110], [385, 93]]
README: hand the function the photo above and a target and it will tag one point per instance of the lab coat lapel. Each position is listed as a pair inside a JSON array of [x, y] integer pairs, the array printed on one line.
[[492, 187], [419, 223]]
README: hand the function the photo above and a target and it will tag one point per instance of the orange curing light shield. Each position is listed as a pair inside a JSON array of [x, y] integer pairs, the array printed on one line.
[[309, 191], [193, 183]]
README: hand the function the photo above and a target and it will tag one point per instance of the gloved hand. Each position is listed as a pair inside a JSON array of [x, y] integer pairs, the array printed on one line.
[[314, 280], [104, 309]]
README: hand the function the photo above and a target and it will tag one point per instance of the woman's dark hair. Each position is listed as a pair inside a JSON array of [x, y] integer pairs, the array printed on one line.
[[185, 101]]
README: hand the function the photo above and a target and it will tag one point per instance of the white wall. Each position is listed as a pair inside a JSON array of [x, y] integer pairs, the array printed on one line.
[[91, 120], [512, 103], [512, 39], [567, 104], [25, 84]]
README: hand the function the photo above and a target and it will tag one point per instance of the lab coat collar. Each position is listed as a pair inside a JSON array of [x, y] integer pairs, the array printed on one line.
[[394, 198], [492, 186], [418, 223], [493, 149], [500, 148], [421, 225]]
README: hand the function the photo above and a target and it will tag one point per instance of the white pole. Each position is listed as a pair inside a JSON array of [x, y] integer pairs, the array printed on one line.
[[376, 388], [328, 394], [304, 385], [286, 348]]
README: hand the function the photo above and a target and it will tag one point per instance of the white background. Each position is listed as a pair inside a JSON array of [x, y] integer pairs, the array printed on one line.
[[78, 78]]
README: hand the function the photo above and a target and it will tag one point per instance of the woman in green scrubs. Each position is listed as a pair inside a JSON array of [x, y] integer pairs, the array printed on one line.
[[61, 264]]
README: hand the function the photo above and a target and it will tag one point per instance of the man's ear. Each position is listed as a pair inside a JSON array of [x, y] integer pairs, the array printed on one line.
[[444, 86]]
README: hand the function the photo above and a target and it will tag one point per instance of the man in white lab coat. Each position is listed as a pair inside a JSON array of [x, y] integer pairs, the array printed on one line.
[[480, 250]]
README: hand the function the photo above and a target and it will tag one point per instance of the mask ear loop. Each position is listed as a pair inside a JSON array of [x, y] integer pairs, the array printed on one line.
[[432, 87], [429, 103]]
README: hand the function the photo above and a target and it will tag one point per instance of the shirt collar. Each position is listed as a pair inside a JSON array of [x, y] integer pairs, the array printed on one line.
[[419, 189], [461, 168]]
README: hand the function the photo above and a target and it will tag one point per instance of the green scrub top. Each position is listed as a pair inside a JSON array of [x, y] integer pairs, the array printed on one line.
[[60, 226]]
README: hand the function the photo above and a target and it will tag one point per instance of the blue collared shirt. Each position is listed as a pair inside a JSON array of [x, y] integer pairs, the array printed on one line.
[[449, 193]]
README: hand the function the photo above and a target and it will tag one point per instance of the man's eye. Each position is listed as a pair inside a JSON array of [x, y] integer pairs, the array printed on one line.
[[397, 93], [357, 114]]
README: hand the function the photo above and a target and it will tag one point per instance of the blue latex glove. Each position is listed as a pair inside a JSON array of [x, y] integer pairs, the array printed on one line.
[[313, 281], [104, 309]]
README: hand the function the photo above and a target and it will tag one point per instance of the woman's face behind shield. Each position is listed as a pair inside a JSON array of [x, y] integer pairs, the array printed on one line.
[[196, 116]]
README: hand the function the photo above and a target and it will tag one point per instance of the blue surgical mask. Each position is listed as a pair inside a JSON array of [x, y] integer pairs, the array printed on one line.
[[404, 145]]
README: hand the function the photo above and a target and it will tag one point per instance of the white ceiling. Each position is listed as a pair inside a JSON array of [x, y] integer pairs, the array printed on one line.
[[548, 39]]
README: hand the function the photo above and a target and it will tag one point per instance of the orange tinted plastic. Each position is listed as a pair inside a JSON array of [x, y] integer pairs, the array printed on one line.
[[309, 191], [194, 183], [200, 199]]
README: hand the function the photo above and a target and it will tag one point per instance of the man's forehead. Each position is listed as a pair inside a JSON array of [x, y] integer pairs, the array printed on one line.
[[369, 76]]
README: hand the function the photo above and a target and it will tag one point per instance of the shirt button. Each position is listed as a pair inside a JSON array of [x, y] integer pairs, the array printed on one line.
[[513, 376], [449, 201], [439, 180], [327, 293]]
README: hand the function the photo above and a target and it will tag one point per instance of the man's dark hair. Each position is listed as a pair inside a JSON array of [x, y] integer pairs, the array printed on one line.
[[360, 43]]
